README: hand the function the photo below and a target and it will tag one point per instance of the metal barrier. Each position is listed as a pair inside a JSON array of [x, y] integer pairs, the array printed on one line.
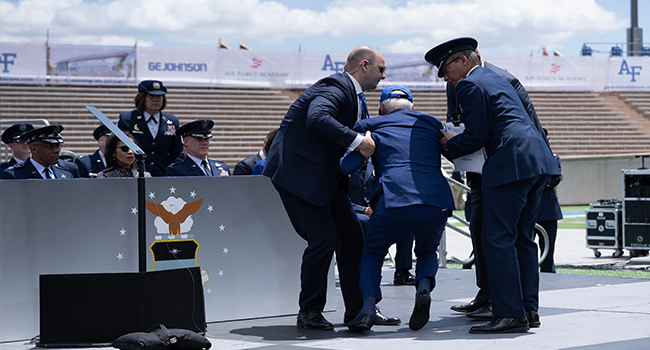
[[442, 251]]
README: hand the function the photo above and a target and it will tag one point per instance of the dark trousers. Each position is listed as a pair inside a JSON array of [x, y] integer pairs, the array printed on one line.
[[387, 226], [548, 265], [327, 229], [509, 215], [475, 217], [404, 252]]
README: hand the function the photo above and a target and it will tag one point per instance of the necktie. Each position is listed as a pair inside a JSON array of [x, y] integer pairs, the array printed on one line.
[[206, 168], [152, 123], [364, 107], [47, 173]]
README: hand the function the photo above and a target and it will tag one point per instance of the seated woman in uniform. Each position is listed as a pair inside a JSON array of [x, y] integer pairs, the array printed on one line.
[[120, 160]]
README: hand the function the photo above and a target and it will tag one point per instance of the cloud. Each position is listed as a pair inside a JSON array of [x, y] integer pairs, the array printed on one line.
[[411, 27]]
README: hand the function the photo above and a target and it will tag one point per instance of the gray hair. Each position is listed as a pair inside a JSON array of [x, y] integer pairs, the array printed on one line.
[[391, 104], [471, 55]]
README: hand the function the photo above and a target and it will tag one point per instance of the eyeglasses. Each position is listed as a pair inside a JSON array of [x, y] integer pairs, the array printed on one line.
[[442, 69], [124, 148], [382, 69]]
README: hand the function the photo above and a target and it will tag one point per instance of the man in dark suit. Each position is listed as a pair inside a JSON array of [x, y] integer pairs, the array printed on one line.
[[480, 307], [519, 165], [410, 194], [90, 165], [303, 166], [44, 144], [153, 129], [196, 145], [19, 149], [246, 165]]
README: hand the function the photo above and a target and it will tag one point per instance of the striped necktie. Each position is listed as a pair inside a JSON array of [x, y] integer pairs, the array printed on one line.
[[364, 107], [206, 168]]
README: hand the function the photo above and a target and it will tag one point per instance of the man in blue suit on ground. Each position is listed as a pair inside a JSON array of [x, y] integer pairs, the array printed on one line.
[[196, 137], [303, 166], [519, 165], [410, 194]]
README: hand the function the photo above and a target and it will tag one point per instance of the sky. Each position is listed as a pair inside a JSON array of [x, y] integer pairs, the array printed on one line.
[[502, 27]]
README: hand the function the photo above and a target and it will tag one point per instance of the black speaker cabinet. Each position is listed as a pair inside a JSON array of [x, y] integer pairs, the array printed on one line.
[[95, 309]]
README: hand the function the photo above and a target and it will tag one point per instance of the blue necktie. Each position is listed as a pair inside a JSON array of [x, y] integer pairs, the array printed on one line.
[[364, 107], [48, 175]]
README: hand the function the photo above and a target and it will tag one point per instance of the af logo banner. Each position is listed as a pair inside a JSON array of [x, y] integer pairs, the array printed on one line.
[[628, 73], [180, 224], [22, 62]]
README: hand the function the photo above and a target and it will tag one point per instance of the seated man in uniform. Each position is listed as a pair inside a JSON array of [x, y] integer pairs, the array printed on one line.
[[196, 146], [91, 164], [410, 194], [19, 149], [44, 144]]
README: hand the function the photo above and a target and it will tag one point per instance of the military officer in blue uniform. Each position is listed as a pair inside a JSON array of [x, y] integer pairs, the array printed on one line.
[[44, 144], [90, 165], [480, 308], [410, 194], [519, 165], [19, 149], [153, 129], [196, 145]]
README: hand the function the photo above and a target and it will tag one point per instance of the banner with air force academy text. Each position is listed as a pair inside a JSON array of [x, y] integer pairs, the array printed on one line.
[[295, 69]]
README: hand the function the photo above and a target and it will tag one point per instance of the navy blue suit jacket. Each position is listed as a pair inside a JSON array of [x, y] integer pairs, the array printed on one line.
[[246, 165], [69, 167], [161, 150], [495, 118], [27, 170], [89, 164], [187, 167], [406, 159], [6, 165], [313, 135]]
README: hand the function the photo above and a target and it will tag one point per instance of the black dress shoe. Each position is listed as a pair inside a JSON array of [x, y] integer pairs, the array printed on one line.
[[482, 314], [502, 325], [361, 323], [313, 319], [420, 315], [403, 277], [533, 319], [381, 320], [470, 307], [349, 316]]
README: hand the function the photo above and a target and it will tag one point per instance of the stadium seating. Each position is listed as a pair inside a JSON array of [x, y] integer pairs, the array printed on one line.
[[579, 123]]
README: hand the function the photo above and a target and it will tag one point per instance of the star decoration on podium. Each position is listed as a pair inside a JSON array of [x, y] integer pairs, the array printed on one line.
[[122, 232], [222, 227], [172, 189], [225, 250], [210, 208], [192, 194], [134, 211], [120, 256], [152, 195], [220, 272]]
